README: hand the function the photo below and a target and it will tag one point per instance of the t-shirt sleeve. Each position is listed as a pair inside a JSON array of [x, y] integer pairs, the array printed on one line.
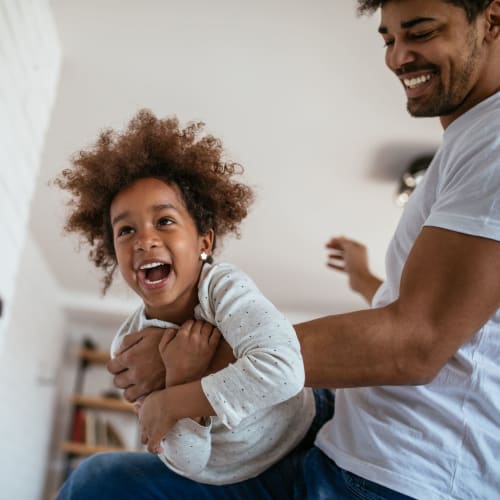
[[469, 198], [268, 368]]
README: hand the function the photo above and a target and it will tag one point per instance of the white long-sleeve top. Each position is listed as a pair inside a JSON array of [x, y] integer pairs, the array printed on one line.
[[262, 409]]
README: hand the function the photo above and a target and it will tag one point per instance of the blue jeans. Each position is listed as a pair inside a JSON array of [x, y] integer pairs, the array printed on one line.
[[322, 479], [305, 473]]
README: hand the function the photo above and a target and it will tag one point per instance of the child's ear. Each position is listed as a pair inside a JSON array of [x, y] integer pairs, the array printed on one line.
[[207, 242]]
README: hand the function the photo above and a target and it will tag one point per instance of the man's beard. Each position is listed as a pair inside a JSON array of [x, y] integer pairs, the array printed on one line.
[[442, 102]]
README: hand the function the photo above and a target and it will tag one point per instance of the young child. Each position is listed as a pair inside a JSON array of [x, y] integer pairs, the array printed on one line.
[[153, 200]]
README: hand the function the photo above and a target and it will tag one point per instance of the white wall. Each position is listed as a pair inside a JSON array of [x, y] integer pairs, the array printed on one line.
[[28, 373], [31, 326], [29, 69]]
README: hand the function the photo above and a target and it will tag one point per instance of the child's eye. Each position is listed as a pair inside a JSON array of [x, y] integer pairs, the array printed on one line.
[[165, 221], [124, 230]]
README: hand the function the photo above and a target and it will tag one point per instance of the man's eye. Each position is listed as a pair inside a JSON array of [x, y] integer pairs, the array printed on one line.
[[124, 230], [421, 35], [388, 43]]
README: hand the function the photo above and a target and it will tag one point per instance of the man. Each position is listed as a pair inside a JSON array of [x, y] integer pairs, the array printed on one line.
[[419, 407], [435, 320]]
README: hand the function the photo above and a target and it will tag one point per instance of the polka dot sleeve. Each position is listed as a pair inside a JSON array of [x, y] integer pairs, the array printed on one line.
[[269, 367]]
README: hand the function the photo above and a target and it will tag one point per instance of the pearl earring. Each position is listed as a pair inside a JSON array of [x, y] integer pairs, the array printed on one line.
[[203, 256]]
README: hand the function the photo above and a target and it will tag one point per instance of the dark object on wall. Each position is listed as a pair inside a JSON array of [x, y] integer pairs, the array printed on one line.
[[411, 178]]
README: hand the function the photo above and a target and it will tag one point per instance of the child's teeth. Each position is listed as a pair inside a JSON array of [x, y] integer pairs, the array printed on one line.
[[151, 265]]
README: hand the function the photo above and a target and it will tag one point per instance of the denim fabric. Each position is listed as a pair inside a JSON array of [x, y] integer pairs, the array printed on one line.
[[321, 479], [140, 475], [324, 400], [303, 474]]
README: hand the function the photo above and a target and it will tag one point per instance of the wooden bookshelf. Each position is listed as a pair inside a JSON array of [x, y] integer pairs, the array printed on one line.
[[92, 430], [85, 449], [102, 403], [94, 356]]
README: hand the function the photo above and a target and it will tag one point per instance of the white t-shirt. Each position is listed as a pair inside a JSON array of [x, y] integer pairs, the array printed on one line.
[[440, 440], [262, 409]]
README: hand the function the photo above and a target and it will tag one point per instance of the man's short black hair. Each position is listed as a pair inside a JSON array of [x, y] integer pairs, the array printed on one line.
[[472, 8]]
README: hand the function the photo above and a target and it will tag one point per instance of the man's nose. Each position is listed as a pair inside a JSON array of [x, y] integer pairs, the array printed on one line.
[[398, 55]]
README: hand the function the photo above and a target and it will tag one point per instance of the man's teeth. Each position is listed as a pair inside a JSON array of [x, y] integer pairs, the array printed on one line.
[[411, 83], [151, 265]]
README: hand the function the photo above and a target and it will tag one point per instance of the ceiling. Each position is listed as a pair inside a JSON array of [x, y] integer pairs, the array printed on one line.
[[300, 96]]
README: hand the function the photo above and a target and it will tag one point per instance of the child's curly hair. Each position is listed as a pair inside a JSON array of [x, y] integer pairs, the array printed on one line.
[[152, 147]]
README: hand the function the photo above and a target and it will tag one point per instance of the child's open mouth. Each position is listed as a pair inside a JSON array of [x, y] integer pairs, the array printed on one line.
[[153, 273]]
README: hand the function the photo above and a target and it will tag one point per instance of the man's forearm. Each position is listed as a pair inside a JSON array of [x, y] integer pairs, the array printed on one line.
[[362, 348]]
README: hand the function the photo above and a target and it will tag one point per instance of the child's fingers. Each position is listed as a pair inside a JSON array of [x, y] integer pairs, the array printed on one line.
[[154, 444], [138, 405], [144, 437], [206, 329], [187, 326], [215, 336], [168, 335]]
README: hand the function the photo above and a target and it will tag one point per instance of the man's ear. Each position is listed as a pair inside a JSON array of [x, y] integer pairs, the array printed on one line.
[[492, 17]]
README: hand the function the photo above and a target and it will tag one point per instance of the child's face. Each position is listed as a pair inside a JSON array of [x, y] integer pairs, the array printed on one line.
[[158, 247]]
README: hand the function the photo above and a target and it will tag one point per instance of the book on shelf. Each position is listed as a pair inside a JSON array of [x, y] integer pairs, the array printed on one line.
[[78, 432], [94, 430]]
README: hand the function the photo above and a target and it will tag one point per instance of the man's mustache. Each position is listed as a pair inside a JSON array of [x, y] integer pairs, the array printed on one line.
[[412, 68]]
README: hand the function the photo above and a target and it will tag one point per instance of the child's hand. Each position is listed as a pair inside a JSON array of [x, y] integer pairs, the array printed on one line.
[[188, 355], [154, 420]]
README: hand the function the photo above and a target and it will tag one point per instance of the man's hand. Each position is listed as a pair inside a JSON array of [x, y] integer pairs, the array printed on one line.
[[138, 367], [188, 352], [351, 257]]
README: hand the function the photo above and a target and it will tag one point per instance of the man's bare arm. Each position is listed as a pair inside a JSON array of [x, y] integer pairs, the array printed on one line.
[[449, 289]]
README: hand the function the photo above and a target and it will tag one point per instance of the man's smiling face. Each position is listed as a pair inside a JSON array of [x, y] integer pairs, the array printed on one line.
[[435, 52]]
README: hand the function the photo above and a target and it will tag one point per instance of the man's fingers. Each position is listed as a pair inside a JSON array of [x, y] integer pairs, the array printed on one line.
[[134, 392], [337, 242], [336, 266], [131, 394], [129, 341], [115, 366], [122, 380]]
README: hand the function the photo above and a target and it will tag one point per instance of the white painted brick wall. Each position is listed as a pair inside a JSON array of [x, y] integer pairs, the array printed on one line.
[[29, 70]]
